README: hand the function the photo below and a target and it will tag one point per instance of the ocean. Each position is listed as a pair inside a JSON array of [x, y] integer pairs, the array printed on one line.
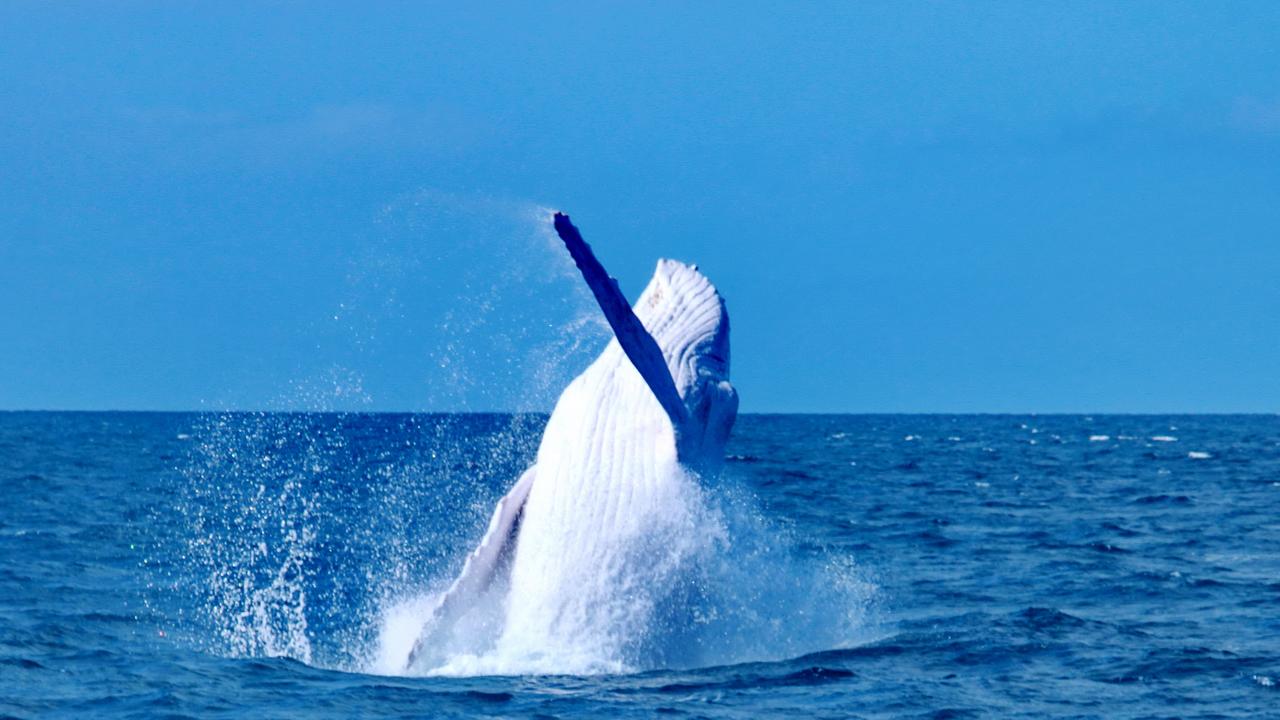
[[932, 566]]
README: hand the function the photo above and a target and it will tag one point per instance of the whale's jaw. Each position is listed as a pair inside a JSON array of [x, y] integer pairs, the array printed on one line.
[[687, 318]]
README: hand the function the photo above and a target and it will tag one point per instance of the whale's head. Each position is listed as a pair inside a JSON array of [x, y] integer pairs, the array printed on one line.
[[685, 314]]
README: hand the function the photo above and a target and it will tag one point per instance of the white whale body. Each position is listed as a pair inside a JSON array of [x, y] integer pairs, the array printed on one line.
[[584, 537]]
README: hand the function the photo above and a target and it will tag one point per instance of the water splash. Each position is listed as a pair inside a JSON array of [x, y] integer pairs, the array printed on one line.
[[322, 537], [250, 507]]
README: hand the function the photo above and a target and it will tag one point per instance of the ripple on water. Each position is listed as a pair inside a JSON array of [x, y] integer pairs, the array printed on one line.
[[1119, 577]]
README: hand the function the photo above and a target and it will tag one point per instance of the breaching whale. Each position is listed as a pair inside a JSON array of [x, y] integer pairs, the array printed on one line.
[[578, 536]]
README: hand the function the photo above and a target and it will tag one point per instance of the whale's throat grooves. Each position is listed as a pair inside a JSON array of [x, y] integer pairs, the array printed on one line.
[[604, 516]]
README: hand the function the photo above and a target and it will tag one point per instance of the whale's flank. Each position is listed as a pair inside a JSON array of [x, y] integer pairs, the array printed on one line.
[[591, 543]]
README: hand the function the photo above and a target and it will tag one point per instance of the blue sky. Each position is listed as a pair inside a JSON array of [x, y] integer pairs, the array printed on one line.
[[922, 207]]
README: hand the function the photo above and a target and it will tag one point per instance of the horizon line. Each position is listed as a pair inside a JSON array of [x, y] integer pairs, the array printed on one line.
[[295, 411]]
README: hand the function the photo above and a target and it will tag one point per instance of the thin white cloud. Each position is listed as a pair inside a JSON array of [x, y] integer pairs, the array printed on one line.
[[321, 131], [1255, 115]]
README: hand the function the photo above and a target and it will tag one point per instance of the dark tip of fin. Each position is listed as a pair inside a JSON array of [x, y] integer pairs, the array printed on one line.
[[563, 225]]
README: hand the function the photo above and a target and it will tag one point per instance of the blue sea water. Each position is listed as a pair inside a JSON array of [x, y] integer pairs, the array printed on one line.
[[243, 565]]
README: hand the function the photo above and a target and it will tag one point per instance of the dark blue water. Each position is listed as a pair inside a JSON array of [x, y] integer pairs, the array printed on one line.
[[892, 566]]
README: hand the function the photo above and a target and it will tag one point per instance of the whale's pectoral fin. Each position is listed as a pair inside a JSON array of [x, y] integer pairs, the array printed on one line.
[[636, 342], [482, 564]]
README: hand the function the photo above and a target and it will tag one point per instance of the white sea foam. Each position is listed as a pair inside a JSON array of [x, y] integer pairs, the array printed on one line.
[[717, 585], [1163, 438], [1198, 455], [1099, 438]]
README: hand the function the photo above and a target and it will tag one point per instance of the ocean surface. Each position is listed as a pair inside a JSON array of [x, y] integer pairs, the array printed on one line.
[[253, 565]]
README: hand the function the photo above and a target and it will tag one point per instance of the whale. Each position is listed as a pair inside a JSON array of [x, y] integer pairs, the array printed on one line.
[[582, 539]]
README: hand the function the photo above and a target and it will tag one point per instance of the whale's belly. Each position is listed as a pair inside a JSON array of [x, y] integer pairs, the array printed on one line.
[[608, 483]]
